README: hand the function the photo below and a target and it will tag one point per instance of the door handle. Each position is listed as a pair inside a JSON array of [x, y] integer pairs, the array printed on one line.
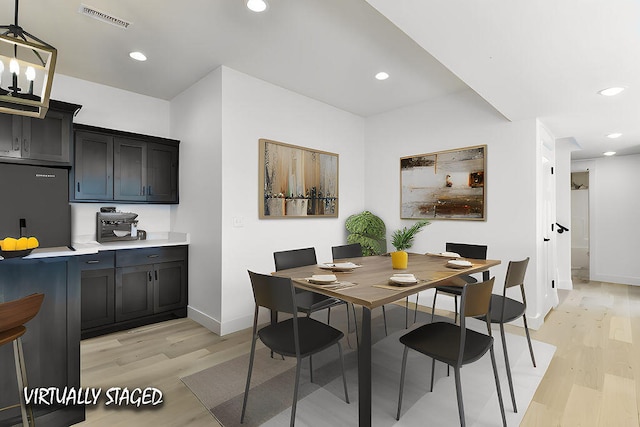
[[546, 239]]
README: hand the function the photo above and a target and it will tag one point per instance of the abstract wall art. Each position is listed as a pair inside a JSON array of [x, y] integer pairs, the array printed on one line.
[[444, 185], [296, 182]]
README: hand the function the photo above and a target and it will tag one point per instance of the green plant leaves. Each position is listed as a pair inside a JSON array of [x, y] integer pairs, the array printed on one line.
[[402, 239]]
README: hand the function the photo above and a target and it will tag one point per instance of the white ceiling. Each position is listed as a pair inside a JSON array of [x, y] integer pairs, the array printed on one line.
[[543, 58]]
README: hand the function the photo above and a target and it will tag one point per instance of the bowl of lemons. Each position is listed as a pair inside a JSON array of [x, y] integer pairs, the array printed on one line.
[[11, 247]]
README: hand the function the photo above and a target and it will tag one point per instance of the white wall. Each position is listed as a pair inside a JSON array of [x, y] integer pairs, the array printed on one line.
[[457, 121], [613, 210], [219, 183], [112, 108], [196, 119]]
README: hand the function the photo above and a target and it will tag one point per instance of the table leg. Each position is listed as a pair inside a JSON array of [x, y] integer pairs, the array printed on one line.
[[364, 371]]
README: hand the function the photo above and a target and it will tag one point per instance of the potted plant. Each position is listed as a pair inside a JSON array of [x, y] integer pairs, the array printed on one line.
[[368, 230], [402, 239]]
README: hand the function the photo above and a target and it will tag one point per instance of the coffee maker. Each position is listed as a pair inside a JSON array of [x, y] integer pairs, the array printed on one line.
[[114, 226]]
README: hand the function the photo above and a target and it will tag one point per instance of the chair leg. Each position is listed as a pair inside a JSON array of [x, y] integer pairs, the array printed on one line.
[[415, 312], [456, 372], [329, 316], [406, 312], [384, 316], [310, 368], [433, 371], [344, 377], [455, 305], [508, 366], [433, 306], [495, 376], [404, 368], [526, 330], [246, 388], [21, 375], [295, 393]]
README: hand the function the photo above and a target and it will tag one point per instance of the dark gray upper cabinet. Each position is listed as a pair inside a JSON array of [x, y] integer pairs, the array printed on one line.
[[45, 141], [93, 166], [121, 166]]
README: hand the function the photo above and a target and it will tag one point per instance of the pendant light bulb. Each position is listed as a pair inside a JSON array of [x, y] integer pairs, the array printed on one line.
[[14, 67], [30, 74]]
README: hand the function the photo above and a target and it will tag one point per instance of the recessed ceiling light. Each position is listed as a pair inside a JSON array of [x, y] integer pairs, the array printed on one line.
[[257, 5], [609, 153], [611, 91], [382, 75], [614, 135], [138, 56]]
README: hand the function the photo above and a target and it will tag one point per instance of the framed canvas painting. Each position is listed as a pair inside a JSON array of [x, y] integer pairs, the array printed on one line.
[[297, 182], [444, 185]]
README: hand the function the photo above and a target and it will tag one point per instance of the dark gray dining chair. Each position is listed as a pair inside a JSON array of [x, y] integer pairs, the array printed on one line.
[[506, 310], [297, 337], [456, 345], [465, 250], [308, 302]]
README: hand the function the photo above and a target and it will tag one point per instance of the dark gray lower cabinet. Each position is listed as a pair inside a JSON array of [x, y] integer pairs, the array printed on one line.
[[150, 285], [97, 289]]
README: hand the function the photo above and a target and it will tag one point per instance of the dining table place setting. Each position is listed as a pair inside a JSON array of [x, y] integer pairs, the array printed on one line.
[[342, 267], [328, 281]]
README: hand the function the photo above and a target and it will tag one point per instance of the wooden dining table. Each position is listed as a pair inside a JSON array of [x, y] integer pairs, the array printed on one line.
[[369, 286]]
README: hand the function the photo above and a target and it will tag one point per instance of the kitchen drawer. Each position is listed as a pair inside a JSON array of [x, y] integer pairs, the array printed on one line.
[[104, 259], [142, 256]]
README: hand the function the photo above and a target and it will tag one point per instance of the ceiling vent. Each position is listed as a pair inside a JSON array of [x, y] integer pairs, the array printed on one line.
[[102, 16]]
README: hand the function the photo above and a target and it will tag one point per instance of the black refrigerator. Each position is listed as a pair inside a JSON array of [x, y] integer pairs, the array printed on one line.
[[34, 201]]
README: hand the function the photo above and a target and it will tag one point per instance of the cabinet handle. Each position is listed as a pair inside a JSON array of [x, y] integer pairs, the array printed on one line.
[[156, 274], [93, 261], [149, 192], [16, 144], [25, 145], [150, 278], [143, 189], [153, 256], [78, 186]]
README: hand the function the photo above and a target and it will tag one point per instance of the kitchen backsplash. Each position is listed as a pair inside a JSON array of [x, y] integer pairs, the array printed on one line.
[[152, 218]]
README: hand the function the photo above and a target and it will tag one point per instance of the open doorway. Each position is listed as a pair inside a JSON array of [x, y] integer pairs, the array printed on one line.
[[580, 225]]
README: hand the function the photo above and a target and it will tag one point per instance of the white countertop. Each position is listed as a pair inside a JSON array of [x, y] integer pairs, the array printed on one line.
[[85, 246]]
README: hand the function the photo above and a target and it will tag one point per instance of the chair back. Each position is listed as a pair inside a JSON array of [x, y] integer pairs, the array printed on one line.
[[476, 299], [515, 273], [467, 250], [272, 292], [353, 250], [294, 258], [18, 312]]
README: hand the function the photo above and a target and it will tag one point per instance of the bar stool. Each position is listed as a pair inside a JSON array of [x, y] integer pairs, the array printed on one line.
[[13, 316]]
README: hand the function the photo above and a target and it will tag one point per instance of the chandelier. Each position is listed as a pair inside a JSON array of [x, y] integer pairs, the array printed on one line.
[[26, 71]]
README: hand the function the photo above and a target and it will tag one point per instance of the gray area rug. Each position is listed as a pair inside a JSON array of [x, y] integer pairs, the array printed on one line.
[[321, 403]]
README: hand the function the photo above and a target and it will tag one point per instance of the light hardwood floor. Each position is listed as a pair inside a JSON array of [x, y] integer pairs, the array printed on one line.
[[593, 379]]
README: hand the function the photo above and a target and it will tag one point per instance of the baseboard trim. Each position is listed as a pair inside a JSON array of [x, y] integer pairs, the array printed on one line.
[[204, 319]]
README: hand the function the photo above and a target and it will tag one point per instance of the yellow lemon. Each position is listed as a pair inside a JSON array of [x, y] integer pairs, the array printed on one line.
[[21, 244], [32, 243], [9, 244]]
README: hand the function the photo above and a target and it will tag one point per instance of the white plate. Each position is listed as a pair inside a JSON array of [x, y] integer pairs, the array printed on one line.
[[459, 263], [339, 266], [408, 279], [450, 254], [322, 279]]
